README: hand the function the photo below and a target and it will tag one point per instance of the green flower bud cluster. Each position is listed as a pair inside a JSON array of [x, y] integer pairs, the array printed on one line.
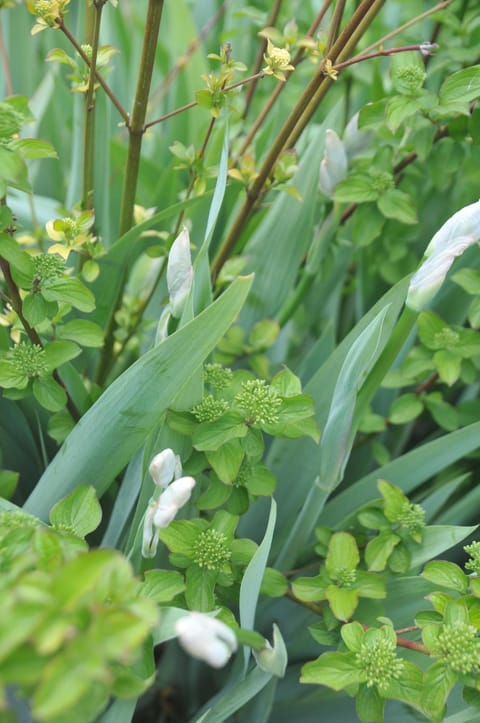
[[47, 266], [474, 563], [379, 662], [459, 648], [17, 520], [29, 359], [382, 181], [259, 402], [447, 338], [217, 376], [344, 576], [412, 76], [211, 550], [209, 409], [412, 517]]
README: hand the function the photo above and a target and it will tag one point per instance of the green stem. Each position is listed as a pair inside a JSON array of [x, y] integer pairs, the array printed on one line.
[[297, 119], [136, 128], [335, 24], [89, 128], [279, 87], [109, 92]]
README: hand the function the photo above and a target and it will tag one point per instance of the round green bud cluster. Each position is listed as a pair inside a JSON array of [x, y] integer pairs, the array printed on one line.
[[209, 409], [379, 662], [47, 266], [412, 517], [345, 576], [459, 647], [14, 520], [447, 338], [43, 7], [412, 76], [382, 181], [211, 550], [259, 402], [474, 563], [217, 376], [243, 475], [29, 359]]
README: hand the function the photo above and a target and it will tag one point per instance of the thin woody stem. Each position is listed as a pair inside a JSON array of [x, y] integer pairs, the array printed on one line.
[[194, 103], [89, 127], [335, 24], [272, 19], [378, 54], [280, 86], [295, 124], [313, 607], [109, 92]]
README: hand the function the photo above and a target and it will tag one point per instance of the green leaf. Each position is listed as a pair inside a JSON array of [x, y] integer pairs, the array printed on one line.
[[310, 589], [260, 481], [443, 413], [214, 496], [200, 586], [352, 636], [356, 189], [60, 352], [263, 334], [16, 257], [286, 384], [273, 659], [409, 687], [49, 394], [69, 291], [448, 364], [370, 585], [35, 309], [397, 205], [209, 436], [342, 554], [8, 482], [438, 682], [133, 405], [468, 280], [30, 148], [335, 670], [80, 512], [367, 224], [394, 499], [437, 539], [343, 601], [274, 584], [432, 330], [162, 585], [398, 109], [84, 332], [446, 574], [226, 461], [405, 409], [459, 89], [180, 536], [369, 704]]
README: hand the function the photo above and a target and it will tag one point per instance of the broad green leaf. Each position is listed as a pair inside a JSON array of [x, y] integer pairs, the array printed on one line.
[[60, 352], [460, 89], [370, 585], [199, 588], [209, 436], [226, 460], [49, 394], [436, 539], [352, 636], [468, 280], [16, 257], [30, 148], [342, 554], [335, 670], [80, 512], [133, 405], [274, 584], [446, 574], [343, 601], [310, 589], [264, 334], [69, 291], [379, 550], [448, 364], [438, 682], [405, 409], [356, 189], [84, 332], [398, 205], [369, 704]]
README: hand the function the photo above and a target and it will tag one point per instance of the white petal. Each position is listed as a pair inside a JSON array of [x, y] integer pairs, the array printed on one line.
[[150, 538], [206, 638], [164, 514], [355, 141], [178, 493], [162, 467], [179, 273], [465, 222]]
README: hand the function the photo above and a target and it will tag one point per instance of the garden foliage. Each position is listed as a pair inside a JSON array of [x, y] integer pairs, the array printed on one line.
[[239, 379]]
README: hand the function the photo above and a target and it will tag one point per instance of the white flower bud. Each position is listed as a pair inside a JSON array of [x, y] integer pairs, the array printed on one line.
[[451, 240], [179, 273], [164, 514], [333, 168], [206, 638], [355, 141], [163, 467], [178, 493]]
